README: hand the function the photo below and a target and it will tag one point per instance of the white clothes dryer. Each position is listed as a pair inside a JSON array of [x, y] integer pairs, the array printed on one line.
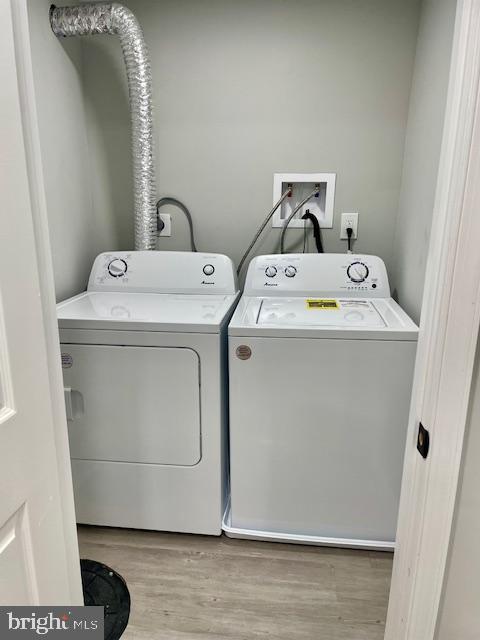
[[144, 365], [321, 363]]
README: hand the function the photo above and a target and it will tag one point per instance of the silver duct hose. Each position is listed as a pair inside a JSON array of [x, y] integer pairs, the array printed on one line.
[[113, 18]]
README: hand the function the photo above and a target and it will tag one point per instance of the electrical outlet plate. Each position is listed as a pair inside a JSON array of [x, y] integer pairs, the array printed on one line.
[[302, 184], [348, 220], [167, 229]]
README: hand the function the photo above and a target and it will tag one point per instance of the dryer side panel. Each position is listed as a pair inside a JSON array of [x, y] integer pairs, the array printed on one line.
[[133, 404]]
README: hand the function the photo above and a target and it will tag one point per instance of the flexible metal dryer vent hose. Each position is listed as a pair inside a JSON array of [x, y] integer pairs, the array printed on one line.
[[113, 18]]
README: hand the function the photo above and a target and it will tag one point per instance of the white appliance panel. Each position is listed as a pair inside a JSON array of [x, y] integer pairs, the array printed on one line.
[[317, 435], [149, 496], [130, 403], [394, 324], [305, 274], [315, 312], [163, 272], [161, 497], [162, 312]]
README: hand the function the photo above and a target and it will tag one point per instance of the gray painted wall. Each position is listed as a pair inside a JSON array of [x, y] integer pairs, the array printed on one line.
[[245, 89], [77, 231], [460, 617], [422, 151]]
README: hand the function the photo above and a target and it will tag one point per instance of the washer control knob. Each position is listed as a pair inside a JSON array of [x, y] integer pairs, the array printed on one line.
[[271, 272], [117, 268], [209, 269], [357, 272], [290, 271]]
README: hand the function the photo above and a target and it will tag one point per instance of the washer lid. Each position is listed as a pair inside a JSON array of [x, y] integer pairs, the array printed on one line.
[[319, 312], [144, 311], [320, 316]]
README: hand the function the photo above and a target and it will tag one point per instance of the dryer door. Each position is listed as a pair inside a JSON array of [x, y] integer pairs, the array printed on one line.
[[133, 404]]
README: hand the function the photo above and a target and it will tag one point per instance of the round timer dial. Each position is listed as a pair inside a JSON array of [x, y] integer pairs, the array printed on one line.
[[357, 272], [117, 268]]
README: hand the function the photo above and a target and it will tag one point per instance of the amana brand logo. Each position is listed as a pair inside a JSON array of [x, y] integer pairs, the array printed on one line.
[[31, 622], [270, 284]]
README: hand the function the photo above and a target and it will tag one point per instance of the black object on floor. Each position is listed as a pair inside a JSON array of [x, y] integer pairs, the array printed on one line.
[[106, 588]]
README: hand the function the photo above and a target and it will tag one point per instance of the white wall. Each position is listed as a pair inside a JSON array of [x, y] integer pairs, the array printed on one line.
[[245, 89], [422, 151], [460, 613], [77, 232]]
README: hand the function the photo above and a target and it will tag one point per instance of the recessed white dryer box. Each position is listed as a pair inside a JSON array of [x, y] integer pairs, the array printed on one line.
[[144, 367], [302, 184]]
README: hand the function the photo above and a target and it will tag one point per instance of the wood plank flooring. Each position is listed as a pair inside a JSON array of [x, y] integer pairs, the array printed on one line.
[[186, 587]]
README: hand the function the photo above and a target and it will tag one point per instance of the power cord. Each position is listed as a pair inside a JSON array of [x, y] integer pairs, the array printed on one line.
[[349, 231], [177, 203], [314, 193]]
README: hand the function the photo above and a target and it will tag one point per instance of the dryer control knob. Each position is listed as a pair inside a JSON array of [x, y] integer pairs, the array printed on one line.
[[208, 269], [271, 272], [117, 268], [290, 271]]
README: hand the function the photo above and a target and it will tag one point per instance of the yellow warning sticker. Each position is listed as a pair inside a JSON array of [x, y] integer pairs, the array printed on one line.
[[322, 303]]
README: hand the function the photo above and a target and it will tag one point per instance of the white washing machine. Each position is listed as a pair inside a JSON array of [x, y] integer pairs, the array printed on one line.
[[320, 363], [144, 364]]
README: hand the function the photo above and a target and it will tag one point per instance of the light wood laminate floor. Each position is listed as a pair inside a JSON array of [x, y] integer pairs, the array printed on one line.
[[186, 587]]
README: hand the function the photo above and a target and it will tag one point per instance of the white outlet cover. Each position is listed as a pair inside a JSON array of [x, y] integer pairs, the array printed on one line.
[[349, 220], [302, 184]]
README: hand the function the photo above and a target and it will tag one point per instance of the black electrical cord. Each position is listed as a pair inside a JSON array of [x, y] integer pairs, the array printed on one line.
[[316, 230], [349, 238]]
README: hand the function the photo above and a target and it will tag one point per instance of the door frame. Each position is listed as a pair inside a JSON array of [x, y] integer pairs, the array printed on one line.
[[446, 351], [446, 348], [26, 89]]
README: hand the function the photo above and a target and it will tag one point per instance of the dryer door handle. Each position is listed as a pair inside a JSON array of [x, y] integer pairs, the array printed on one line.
[[67, 392]]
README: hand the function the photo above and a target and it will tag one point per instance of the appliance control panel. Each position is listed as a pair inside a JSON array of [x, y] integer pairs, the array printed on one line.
[[163, 272], [321, 274]]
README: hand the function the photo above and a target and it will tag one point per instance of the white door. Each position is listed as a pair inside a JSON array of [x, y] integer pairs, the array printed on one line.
[[35, 567], [446, 353]]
